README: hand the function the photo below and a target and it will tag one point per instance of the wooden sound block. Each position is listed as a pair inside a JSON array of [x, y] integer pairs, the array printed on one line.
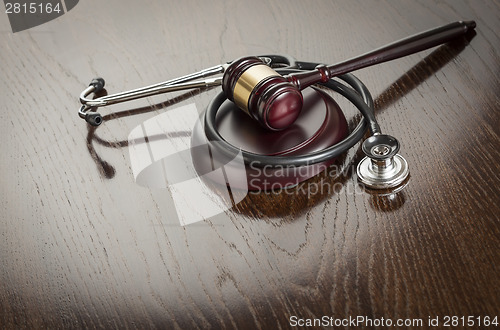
[[320, 124]]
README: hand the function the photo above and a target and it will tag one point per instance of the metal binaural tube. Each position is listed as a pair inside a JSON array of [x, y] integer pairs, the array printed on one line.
[[175, 84], [133, 95]]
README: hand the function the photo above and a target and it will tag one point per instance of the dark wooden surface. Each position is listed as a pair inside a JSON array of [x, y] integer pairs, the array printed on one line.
[[82, 245]]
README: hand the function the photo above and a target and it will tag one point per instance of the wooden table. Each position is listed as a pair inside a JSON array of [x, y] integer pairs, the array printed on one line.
[[83, 245]]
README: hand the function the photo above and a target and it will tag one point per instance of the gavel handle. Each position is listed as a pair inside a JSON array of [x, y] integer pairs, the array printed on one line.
[[401, 48]]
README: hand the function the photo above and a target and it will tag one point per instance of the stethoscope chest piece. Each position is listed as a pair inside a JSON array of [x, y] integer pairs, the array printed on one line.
[[383, 167]]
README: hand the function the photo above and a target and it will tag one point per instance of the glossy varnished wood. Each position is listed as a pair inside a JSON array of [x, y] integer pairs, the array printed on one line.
[[82, 245]]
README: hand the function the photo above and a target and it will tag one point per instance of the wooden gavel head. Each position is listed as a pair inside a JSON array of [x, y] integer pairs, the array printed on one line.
[[262, 93]]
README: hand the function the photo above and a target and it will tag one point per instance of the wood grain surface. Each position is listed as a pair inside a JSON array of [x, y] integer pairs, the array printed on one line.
[[82, 245]]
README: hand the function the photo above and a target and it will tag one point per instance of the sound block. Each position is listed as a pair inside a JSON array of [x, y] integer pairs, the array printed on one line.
[[320, 124]]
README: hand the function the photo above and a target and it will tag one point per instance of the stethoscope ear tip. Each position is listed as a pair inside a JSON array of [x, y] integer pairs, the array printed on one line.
[[98, 84], [93, 118]]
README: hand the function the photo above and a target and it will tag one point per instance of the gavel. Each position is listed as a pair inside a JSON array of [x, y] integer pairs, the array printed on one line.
[[275, 101]]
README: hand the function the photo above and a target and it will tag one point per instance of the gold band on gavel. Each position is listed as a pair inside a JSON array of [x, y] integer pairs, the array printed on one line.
[[247, 82]]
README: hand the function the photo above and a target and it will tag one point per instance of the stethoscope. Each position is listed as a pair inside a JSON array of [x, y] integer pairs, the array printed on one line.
[[268, 88]]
